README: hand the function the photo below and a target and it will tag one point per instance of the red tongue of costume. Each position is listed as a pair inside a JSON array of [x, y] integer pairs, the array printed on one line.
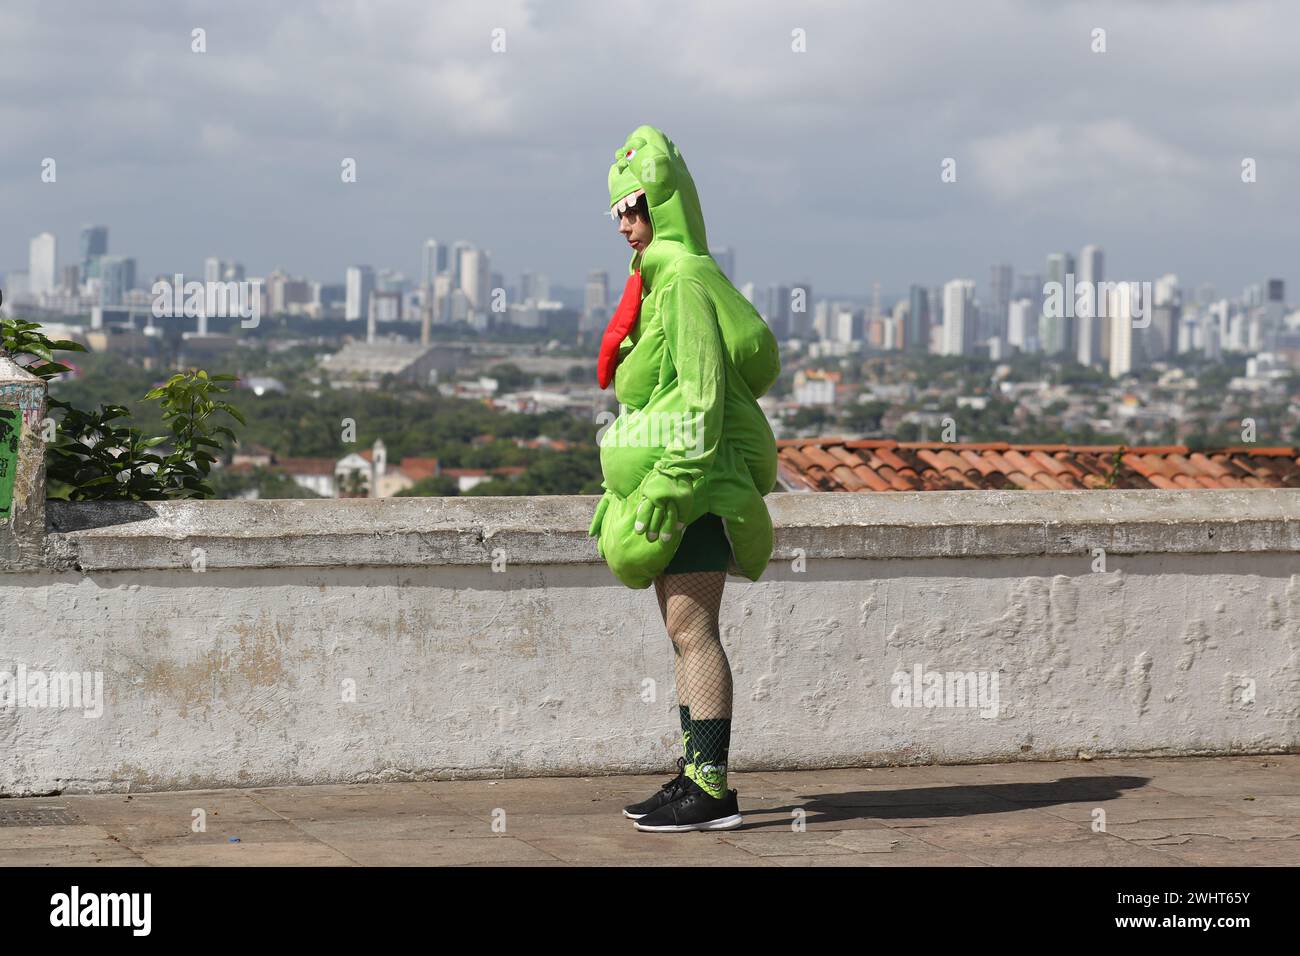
[[620, 324]]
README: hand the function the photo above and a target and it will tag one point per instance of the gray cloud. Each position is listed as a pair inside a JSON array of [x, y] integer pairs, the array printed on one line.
[[823, 164]]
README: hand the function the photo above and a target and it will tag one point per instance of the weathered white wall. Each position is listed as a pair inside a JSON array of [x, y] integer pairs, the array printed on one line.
[[234, 676]]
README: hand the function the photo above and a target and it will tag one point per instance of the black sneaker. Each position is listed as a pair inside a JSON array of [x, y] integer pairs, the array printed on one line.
[[667, 794], [697, 810]]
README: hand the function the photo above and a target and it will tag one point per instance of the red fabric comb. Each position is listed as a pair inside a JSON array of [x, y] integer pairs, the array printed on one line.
[[620, 324]]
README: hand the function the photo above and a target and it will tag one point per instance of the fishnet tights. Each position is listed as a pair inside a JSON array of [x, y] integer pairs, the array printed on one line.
[[689, 604]]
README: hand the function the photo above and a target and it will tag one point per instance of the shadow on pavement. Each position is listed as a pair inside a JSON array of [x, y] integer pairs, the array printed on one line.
[[939, 802]]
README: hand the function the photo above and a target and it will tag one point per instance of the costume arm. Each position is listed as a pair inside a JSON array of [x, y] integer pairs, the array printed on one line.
[[694, 433]]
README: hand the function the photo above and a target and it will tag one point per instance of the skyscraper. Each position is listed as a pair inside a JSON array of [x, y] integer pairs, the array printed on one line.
[[1122, 306], [94, 243], [958, 317], [433, 261], [1057, 331], [1160, 338], [1090, 328], [800, 303], [916, 337], [42, 263], [475, 279], [360, 286], [999, 301], [534, 287], [776, 309], [596, 300], [1022, 325], [935, 343], [117, 278], [455, 260]]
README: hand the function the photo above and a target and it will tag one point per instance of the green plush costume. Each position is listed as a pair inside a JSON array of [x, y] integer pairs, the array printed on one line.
[[690, 437]]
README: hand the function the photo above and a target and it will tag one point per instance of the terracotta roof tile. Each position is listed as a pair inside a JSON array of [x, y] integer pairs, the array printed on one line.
[[884, 464]]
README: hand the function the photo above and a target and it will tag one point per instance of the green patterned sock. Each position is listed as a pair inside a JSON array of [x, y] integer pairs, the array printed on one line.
[[712, 740], [684, 713]]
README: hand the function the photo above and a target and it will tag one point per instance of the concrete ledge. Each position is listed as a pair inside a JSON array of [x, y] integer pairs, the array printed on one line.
[[395, 532], [412, 639]]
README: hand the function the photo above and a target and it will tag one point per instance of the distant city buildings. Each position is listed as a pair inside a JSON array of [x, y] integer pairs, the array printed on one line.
[[360, 281], [94, 243], [116, 279], [42, 263], [1090, 328], [1085, 320], [958, 317], [596, 301]]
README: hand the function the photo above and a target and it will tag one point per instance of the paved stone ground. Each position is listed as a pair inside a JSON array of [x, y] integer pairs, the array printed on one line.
[[1173, 812]]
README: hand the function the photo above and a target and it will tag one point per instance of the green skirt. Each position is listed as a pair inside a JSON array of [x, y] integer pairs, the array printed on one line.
[[704, 547]]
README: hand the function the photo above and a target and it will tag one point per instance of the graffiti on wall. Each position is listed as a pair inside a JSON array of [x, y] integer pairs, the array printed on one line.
[[11, 423], [27, 398]]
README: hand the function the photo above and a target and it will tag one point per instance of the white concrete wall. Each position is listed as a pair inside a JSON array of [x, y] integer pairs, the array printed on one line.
[[1188, 641]]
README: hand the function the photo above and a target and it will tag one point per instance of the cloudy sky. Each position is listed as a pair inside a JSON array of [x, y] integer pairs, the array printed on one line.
[[821, 165]]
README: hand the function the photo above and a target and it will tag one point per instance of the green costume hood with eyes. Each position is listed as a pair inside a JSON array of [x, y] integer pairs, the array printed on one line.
[[687, 371]]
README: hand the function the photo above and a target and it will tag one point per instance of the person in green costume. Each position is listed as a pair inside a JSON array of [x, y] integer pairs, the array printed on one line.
[[688, 357]]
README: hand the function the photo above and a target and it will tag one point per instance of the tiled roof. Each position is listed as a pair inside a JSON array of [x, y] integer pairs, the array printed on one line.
[[306, 466], [418, 468], [838, 464]]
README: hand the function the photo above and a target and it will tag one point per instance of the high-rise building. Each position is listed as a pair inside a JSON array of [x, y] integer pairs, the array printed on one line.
[[1022, 325], [775, 307], [534, 287], [595, 301], [958, 317], [1029, 285], [94, 243], [1123, 304], [1090, 328], [896, 325], [42, 264], [799, 302], [1057, 331], [916, 337], [433, 261], [935, 342], [360, 286], [475, 279], [999, 302], [844, 324], [1160, 339], [726, 260], [455, 260], [117, 278]]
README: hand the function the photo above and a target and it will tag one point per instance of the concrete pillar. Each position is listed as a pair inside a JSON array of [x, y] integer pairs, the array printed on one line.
[[22, 467]]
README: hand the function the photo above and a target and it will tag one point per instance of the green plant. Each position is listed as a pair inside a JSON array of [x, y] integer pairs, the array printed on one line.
[[99, 455], [20, 338], [1116, 463]]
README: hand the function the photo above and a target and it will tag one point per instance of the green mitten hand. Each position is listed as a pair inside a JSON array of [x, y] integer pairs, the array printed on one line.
[[601, 507], [664, 501]]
